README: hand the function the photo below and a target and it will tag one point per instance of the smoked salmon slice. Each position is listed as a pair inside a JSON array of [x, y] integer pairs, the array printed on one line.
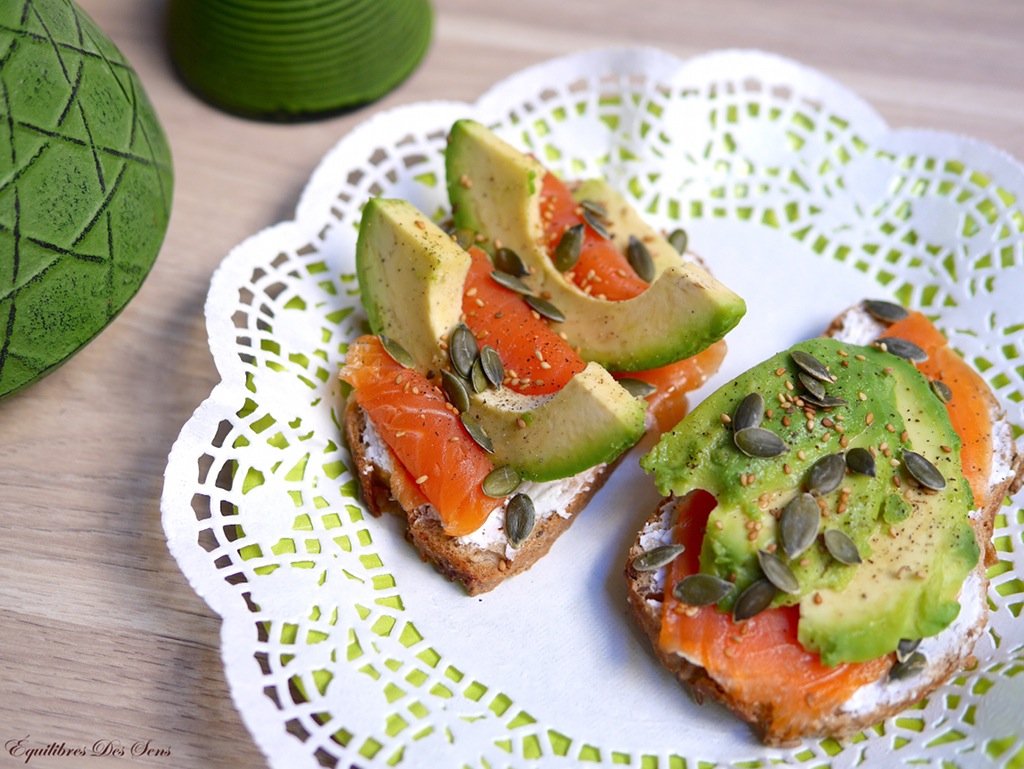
[[759, 660], [601, 270], [425, 434], [536, 359], [968, 408]]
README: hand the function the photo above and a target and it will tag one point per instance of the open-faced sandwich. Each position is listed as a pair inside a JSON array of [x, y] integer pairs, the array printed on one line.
[[819, 560], [496, 393]]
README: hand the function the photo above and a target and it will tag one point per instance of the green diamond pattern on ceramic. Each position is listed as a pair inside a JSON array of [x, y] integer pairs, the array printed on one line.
[[337, 635], [85, 186]]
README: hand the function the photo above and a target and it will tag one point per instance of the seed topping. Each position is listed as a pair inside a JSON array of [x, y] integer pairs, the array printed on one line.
[[398, 353], [640, 259], [798, 525], [886, 312], [501, 482], [519, 519], [759, 442], [567, 252], [702, 589], [656, 558], [923, 471], [841, 547]]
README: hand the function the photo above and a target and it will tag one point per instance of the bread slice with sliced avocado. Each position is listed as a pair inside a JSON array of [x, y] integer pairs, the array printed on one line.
[[834, 504], [556, 447], [498, 197]]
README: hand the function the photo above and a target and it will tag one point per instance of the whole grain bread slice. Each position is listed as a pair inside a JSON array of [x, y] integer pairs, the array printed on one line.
[[947, 653]]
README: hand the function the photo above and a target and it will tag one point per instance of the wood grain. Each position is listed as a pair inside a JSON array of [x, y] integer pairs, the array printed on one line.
[[101, 638]]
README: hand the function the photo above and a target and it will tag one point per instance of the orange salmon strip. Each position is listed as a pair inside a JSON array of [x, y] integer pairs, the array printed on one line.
[[968, 409], [601, 270], [760, 659], [425, 434], [536, 359]]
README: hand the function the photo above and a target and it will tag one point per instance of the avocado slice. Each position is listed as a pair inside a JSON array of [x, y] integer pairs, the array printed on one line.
[[551, 437], [411, 278], [916, 545], [495, 190]]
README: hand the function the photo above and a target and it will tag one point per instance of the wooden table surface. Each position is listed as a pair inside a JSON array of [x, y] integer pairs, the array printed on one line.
[[101, 637]]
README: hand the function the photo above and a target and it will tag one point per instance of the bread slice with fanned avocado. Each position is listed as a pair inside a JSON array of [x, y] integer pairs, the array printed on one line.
[[832, 573]]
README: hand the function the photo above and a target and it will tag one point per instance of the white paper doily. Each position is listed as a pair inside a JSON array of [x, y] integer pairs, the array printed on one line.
[[343, 649]]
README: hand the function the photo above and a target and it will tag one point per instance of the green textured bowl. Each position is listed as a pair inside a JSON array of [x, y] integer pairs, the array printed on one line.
[[296, 60], [86, 190]]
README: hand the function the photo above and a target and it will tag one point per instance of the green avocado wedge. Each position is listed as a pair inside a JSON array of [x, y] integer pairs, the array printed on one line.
[[412, 276], [495, 189], [86, 188], [914, 545]]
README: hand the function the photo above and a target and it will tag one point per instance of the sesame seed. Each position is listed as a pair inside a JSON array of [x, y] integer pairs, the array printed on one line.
[[465, 181], [869, 419], [726, 419], [422, 479]]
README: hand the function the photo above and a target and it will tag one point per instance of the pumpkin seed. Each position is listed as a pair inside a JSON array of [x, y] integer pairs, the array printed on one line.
[[594, 207], [702, 589], [813, 385], [506, 260], [638, 388], [886, 312], [903, 348], [749, 413], [906, 647], [567, 252], [476, 431], [798, 525], [477, 377], [455, 389], [841, 547], [679, 239], [654, 559], [757, 597], [519, 519], [759, 442], [941, 389], [464, 236], [545, 308], [398, 353], [908, 668], [923, 471], [596, 223], [826, 475], [811, 365], [493, 368], [463, 350], [511, 282], [640, 259], [777, 572], [860, 461], [501, 482], [828, 402]]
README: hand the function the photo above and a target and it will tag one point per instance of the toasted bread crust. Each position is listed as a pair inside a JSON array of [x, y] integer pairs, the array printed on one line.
[[645, 598], [477, 568]]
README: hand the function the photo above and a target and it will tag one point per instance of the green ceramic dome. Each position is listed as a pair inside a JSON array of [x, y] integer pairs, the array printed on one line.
[[85, 186], [297, 59]]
